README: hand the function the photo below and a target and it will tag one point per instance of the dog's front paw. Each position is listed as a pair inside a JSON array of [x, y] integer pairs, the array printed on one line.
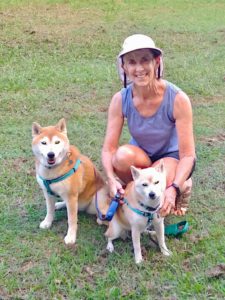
[[60, 205], [165, 251], [69, 239], [45, 224], [138, 259], [110, 247]]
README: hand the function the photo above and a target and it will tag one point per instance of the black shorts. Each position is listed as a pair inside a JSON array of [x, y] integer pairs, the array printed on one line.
[[175, 155], [156, 157]]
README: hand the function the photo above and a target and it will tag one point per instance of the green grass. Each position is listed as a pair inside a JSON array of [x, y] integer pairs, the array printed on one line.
[[57, 59]]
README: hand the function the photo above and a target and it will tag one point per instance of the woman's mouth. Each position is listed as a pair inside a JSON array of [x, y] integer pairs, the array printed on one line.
[[141, 76]]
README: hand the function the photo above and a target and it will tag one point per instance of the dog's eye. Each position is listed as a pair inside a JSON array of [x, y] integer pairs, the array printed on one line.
[[157, 182], [144, 184], [57, 142], [44, 143]]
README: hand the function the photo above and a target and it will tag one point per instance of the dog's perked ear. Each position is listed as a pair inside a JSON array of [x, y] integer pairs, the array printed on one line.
[[160, 167], [61, 126], [134, 172], [36, 129]]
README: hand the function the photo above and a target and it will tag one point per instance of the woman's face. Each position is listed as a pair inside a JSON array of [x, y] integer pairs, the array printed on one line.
[[139, 66]]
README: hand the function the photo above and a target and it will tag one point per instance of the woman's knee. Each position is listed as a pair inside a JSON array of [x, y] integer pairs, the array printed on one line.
[[127, 155], [123, 157]]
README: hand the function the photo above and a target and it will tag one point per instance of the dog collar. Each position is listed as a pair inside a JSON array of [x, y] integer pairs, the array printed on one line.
[[145, 214], [47, 182], [149, 208]]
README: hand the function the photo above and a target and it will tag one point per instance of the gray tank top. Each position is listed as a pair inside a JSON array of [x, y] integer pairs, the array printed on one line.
[[156, 134]]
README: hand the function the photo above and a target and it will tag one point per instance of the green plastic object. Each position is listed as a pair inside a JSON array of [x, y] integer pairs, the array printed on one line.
[[176, 229]]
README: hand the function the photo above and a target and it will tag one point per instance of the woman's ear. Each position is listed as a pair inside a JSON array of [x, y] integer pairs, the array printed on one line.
[[125, 78], [158, 67], [124, 67], [157, 60]]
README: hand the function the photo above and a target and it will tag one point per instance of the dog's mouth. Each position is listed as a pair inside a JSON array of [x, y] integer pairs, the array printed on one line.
[[51, 161], [151, 208]]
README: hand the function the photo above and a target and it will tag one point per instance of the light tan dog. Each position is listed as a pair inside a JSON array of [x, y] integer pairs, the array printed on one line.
[[61, 170], [143, 198]]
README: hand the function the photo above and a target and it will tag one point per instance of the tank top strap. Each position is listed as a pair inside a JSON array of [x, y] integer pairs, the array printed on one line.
[[126, 98], [169, 98]]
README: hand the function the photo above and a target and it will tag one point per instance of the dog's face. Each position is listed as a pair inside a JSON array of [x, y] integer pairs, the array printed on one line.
[[50, 145], [150, 183]]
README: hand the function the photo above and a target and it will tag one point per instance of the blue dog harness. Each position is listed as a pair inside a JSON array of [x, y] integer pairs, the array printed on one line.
[[48, 182]]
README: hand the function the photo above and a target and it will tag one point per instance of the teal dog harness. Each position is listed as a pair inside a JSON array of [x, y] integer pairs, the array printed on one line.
[[146, 214], [48, 182]]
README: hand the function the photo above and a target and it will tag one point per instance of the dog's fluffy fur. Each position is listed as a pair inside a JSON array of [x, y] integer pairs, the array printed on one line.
[[147, 187], [55, 157]]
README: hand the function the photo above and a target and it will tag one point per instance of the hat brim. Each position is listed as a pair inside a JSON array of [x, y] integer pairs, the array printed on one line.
[[156, 51]]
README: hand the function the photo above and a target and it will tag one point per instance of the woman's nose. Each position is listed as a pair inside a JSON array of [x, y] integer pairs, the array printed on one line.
[[139, 66]]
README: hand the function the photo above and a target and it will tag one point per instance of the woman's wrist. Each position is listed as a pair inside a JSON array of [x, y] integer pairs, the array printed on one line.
[[111, 177], [175, 187]]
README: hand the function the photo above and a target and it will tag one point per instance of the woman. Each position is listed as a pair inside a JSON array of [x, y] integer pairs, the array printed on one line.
[[159, 118]]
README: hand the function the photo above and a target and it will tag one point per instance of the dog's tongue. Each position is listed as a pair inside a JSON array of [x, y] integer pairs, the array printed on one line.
[[51, 161]]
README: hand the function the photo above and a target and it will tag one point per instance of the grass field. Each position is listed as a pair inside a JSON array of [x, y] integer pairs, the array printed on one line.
[[57, 59]]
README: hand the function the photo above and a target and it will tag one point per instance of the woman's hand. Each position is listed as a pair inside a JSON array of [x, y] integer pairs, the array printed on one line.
[[169, 202], [169, 206], [179, 212], [114, 187]]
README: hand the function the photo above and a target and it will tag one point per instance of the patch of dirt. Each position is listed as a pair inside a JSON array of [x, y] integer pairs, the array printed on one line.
[[19, 165], [206, 101], [27, 265], [103, 108], [217, 271], [195, 238], [89, 274], [50, 23], [189, 262], [3, 294], [211, 141]]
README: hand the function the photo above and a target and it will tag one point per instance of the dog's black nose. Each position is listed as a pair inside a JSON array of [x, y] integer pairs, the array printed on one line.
[[51, 155], [152, 195]]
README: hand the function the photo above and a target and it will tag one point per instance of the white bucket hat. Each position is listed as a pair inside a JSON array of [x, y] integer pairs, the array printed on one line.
[[135, 42]]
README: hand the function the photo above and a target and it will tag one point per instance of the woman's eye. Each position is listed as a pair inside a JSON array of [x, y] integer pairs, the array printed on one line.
[[145, 184], [156, 182], [144, 59], [131, 62], [57, 142], [44, 143]]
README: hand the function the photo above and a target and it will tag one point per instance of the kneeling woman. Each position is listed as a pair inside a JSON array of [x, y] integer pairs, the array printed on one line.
[[159, 119]]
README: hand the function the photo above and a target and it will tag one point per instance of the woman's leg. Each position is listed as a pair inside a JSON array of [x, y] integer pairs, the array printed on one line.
[[127, 156], [182, 202]]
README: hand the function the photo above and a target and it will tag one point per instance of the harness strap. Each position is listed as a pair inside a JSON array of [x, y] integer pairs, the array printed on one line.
[[145, 214], [47, 182]]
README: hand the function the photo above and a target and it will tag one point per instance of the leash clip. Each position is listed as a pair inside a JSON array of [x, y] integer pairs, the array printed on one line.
[[112, 208]]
